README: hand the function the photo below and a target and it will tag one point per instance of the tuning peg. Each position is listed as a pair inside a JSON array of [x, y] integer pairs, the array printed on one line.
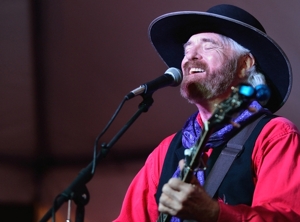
[[246, 90]]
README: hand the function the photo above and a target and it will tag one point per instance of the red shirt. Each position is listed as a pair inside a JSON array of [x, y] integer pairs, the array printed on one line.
[[276, 167]]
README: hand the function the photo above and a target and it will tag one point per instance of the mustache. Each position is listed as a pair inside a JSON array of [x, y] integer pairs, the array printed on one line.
[[195, 64]]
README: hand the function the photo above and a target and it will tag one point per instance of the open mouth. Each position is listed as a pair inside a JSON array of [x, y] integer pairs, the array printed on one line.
[[196, 70]]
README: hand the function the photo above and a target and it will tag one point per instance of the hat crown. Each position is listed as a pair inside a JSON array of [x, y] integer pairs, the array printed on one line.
[[236, 13]]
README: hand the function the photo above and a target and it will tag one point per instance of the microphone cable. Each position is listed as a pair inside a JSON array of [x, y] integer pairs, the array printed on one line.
[[103, 131]]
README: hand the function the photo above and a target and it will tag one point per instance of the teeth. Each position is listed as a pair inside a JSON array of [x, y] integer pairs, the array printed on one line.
[[196, 70]]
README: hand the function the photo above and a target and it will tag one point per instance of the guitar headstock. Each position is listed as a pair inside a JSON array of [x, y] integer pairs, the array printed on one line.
[[239, 100]]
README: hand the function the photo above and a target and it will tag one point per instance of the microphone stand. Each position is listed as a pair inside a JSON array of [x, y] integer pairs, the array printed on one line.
[[77, 190]]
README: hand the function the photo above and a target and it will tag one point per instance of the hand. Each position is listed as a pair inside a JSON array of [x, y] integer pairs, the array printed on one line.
[[188, 201]]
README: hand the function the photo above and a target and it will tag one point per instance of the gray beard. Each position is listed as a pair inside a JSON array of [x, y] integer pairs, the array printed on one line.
[[213, 86]]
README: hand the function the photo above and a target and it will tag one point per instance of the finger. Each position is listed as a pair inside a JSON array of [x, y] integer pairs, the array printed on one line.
[[175, 183], [167, 210], [167, 204], [178, 190], [171, 191], [181, 164], [165, 200], [179, 185]]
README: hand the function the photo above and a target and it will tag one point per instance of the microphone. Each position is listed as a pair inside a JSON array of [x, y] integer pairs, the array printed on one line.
[[172, 77]]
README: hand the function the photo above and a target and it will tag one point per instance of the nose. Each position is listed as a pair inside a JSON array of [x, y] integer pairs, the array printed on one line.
[[193, 54]]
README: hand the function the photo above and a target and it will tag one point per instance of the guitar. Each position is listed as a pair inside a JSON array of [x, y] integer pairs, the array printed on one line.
[[239, 100]]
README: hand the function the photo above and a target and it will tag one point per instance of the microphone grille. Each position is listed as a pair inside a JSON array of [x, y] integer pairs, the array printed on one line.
[[176, 74]]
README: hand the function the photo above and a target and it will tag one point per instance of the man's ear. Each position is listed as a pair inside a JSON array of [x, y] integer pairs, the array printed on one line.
[[249, 60], [246, 62]]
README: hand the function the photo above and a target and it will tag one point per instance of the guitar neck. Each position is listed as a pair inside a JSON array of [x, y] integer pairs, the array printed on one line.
[[187, 172], [197, 151]]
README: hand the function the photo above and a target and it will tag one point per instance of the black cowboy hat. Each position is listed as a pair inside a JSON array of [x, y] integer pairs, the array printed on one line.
[[169, 32]]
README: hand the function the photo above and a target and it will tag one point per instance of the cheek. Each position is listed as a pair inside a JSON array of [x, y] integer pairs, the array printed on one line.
[[215, 62], [183, 61], [183, 65]]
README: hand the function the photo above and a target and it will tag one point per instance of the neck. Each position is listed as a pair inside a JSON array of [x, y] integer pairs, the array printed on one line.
[[207, 107]]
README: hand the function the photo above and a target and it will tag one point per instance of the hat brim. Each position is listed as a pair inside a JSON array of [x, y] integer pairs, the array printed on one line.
[[169, 32]]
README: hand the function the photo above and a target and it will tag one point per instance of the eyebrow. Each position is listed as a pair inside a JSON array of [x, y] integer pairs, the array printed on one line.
[[202, 40]]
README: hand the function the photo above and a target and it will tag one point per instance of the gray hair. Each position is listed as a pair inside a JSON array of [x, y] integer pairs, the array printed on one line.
[[237, 48], [255, 77]]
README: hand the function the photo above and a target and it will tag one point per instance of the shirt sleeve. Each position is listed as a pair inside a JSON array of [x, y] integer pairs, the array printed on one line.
[[276, 167], [139, 203]]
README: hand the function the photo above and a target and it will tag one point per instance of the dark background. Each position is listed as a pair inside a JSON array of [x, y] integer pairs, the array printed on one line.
[[65, 67]]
